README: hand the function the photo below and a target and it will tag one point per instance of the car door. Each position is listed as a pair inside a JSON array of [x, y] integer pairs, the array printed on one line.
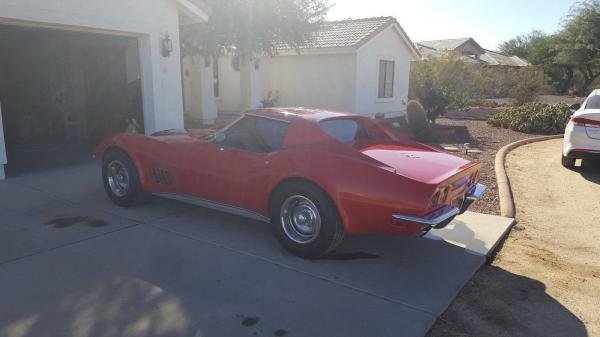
[[245, 160]]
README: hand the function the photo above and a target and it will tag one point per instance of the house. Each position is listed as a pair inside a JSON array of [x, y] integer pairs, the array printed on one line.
[[358, 66], [470, 50], [72, 72]]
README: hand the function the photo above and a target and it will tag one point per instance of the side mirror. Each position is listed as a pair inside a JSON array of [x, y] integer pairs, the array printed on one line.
[[220, 137], [575, 106]]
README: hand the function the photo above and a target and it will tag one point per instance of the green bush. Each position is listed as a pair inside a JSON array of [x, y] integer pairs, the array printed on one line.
[[451, 82], [416, 119], [537, 118]]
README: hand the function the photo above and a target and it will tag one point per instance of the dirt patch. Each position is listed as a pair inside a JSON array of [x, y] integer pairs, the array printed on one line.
[[545, 281], [250, 321], [66, 222]]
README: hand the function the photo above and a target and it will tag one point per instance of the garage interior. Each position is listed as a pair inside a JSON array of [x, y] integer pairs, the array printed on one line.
[[62, 92]]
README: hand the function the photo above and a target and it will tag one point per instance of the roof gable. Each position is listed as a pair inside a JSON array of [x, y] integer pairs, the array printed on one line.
[[451, 44], [354, 34]]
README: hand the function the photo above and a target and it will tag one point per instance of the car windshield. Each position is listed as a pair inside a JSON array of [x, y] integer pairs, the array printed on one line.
[[352, 130], [593, 102]]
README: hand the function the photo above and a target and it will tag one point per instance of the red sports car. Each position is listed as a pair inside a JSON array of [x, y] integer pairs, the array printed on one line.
[[314, 175]]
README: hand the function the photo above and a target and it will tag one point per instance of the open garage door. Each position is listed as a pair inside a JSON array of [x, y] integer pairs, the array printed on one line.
[[61, 92]]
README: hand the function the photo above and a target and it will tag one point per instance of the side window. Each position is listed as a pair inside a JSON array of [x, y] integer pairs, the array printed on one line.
[[256, 134], [272, 132], [593, 102], [344, 130], [386, 79]]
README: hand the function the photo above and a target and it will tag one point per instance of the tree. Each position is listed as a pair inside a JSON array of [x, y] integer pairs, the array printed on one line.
[[542, 50], [250, 29], [571, 57], [521, 45], [579, 42]]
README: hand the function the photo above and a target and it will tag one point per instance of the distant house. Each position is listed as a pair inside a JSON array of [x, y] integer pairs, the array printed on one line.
[[471, 51], [360, 66]]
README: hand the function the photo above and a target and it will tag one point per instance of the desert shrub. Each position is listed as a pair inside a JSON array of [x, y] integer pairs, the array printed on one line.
[[452, 82], [416, 119], [525, 87], [426, 87], [537, 118]]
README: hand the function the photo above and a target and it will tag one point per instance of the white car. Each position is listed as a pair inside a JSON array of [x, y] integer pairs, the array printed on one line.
[[582, 136]]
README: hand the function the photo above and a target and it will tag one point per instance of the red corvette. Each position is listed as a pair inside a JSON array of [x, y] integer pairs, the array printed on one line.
[[314, 175]]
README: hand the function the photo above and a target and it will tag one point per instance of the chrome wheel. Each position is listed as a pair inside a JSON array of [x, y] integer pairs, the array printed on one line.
[[300, 219], [118, 178]]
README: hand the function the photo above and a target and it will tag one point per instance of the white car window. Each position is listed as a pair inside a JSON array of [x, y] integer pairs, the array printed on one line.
[[593, 102]]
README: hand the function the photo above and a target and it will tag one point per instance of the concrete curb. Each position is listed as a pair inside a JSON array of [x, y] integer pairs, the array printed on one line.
[[507, 204]]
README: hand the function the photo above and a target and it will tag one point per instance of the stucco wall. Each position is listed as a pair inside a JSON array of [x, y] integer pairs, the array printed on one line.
[[386, 46], [230, 96], [322, 81], [149, 20]]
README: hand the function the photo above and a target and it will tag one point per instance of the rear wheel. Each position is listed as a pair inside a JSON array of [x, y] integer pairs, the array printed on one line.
[[121, 180], [568, 162], [305, 220]]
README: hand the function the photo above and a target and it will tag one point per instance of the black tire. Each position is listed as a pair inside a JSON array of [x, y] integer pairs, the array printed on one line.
[[568, 162], [131, 196], [331, 232]]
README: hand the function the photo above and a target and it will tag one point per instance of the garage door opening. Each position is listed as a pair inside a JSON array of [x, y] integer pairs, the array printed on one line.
[[62, 92]]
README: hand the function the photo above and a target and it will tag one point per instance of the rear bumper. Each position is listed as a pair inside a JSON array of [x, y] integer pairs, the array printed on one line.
[[442, 217], [583, 154], [578, 144]]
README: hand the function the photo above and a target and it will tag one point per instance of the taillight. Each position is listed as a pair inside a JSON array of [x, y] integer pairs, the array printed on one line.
[[585, 122], [435, 199]]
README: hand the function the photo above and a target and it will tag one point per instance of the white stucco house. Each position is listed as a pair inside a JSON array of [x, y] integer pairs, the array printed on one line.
[[72, 71], [360, 66]]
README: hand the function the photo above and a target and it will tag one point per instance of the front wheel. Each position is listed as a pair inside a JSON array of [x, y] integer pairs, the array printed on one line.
[[121, 180], [568, 162], [305, 220]]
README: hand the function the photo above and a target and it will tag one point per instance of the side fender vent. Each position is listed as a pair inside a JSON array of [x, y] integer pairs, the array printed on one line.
[[161, 176]]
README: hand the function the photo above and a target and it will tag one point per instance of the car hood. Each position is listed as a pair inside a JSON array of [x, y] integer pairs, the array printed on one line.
[[418, 163]]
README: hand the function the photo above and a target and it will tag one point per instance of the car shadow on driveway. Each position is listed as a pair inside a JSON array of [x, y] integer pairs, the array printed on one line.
[[590, 170], [497, 302]]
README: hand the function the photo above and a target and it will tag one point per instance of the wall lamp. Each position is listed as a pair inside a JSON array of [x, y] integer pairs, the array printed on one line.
[[166, 46]]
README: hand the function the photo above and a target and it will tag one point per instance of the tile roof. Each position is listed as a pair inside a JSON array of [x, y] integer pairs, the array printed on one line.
[[495, 58], [348, 33], [439, 45], [487, 57]]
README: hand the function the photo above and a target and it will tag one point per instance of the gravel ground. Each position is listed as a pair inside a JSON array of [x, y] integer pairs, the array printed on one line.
[[471, 127], [545, 281]]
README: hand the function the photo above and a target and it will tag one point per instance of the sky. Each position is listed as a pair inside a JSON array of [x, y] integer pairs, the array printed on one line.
[[489, 22]]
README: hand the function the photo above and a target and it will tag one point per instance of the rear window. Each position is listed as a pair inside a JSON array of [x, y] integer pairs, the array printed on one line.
[[593, 102], [353, 130]]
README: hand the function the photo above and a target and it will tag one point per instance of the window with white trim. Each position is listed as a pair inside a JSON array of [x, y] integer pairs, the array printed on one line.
[[386, 79]]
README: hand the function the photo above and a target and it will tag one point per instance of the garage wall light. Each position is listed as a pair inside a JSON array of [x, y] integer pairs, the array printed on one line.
[[167, 45]]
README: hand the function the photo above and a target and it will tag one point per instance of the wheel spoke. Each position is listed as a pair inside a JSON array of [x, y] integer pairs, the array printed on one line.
[[118, 178], [300, 219]]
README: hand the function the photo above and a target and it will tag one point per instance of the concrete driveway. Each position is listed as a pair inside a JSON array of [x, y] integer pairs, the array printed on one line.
[[73, 264]]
